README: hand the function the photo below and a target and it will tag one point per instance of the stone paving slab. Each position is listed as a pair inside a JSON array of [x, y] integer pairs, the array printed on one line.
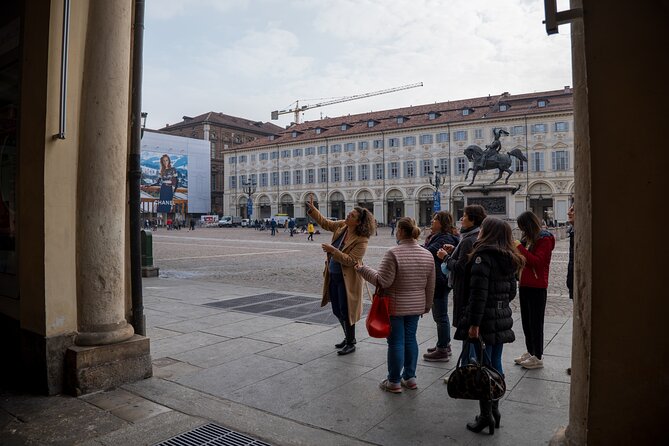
[[541, 393], [225, 379], [295, 387], [247, 326], [222, 352], [202, 323], [150, 431], [289, 332], [265, 426], [183, 343], [57, 420]]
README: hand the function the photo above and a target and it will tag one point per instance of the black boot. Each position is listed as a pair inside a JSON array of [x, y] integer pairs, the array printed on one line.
[[484, 419], [495, 413], [350, 339], [342, 343]]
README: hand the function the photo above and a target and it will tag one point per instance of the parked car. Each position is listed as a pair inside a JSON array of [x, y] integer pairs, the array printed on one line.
[[245, 223], [228, 221], [225, 221]]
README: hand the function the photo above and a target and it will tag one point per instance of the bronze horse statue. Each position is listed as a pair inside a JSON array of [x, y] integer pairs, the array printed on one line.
[[501, 161]]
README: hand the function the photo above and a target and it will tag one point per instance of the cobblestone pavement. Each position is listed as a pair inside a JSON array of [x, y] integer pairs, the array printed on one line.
[[244, 256]]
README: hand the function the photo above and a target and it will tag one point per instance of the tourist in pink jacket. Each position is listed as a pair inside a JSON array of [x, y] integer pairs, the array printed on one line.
[[406, 274]]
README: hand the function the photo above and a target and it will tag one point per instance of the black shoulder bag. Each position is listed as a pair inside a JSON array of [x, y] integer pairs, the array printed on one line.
[[475, 380]]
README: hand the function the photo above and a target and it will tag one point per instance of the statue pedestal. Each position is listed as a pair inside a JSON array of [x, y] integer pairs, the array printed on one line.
[[497, 200]]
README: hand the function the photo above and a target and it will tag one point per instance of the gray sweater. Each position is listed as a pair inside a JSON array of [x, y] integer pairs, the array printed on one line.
[[406, 274]]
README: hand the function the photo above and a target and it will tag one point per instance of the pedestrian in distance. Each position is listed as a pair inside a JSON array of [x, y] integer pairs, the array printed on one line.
[[310, 230], [291, 226], [192, 224], [536, 246], [272, 225], [456, 258], [443, 232], [490, 278], [342, 287], [407, 275]]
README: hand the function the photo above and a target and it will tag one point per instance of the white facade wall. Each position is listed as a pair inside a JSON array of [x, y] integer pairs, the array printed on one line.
[[546, 188]]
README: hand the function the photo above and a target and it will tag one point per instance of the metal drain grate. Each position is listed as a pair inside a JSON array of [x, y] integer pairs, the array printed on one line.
[[248, 300], [214, 435], [287, 306]]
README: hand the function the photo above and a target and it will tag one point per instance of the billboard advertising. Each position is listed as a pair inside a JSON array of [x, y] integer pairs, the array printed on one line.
[[175, 174]]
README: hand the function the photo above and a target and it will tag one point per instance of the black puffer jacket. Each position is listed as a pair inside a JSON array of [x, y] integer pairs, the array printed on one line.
[[457, 265], [491, 285], [433, 243]]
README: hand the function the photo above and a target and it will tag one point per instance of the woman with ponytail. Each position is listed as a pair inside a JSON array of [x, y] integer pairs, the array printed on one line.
[[406, 274]]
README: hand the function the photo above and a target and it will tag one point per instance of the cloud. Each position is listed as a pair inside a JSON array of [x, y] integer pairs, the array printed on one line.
[[170, 9], [248, 58], [272, 53]]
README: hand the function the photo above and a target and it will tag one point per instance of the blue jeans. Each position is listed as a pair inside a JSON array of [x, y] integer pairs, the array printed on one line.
[[494, 352], [402, 348], [440, 316]]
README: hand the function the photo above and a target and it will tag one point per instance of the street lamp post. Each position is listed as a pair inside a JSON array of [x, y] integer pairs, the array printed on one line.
[[249, 188], [436, 182]]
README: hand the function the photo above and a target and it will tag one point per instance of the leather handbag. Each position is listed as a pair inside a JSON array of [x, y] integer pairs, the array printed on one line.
[[378, 318], [477, 379]]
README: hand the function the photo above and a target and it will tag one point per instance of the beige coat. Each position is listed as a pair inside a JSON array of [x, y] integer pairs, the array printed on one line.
[[353, 250]]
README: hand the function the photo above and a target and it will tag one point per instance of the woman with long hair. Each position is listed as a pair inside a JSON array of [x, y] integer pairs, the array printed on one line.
[[168, 174], [341, 286], [536, 246], [491, 285], [406, 274], [443, 233]]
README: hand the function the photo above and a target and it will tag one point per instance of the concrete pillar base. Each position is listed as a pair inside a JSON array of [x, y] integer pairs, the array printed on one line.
[[121, 332], [91, 369], [150, 271]]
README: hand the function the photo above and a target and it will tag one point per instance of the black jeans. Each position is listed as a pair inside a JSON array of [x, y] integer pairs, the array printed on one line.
[[338, 300], [532, 309]]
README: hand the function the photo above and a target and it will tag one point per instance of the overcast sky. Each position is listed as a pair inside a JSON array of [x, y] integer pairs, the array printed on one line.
[[249, 57]]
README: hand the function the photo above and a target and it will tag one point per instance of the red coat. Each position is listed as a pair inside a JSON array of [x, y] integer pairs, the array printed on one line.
[[538, 260]]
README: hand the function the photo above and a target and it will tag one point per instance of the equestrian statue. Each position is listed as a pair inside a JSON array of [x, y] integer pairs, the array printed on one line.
[[491, 158]]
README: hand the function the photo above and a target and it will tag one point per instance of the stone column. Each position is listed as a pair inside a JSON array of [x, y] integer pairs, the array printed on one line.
[[102, 175]]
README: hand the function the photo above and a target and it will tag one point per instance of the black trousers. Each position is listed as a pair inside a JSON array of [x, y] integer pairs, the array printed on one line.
[[338, 298], [532, 310]]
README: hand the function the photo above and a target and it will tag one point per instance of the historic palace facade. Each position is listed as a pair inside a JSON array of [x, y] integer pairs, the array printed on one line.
[[387, 161]]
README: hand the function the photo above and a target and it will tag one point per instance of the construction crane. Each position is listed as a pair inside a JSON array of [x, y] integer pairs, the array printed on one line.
[[297, 109]]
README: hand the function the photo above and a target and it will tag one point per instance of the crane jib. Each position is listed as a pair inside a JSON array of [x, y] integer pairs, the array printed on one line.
[[297, 109]]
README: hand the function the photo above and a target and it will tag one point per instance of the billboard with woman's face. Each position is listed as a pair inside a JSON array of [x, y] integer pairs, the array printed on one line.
[[173, 177]]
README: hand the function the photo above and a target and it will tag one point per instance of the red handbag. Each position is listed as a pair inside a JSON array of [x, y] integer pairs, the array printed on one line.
[[378, 318]]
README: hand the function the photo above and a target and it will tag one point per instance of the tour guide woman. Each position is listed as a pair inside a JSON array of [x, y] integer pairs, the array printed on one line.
[[342, 287]]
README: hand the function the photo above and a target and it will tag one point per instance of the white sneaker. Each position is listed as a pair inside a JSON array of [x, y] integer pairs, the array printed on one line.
[[522, 358], [532, 363]]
